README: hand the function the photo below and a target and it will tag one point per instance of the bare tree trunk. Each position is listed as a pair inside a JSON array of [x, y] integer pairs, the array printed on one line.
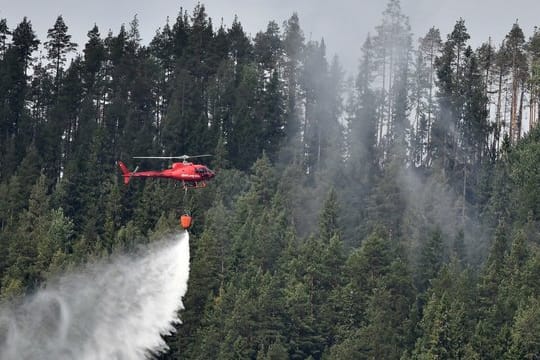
[[381, 111], [513, 108], [417, 144], [319, 146], [430, 104], [390, 129], [464, 193], [505, 123], [532, 109], [455, 138], [520, 114], [497, 135]]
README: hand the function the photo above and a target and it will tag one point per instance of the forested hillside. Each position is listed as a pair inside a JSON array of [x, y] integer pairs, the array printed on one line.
[[392, 214]]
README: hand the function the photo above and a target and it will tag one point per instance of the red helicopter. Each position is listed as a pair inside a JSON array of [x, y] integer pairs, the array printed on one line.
[[192, 176]]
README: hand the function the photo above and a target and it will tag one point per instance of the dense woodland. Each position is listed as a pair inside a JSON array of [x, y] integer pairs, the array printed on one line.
[[392, 214]]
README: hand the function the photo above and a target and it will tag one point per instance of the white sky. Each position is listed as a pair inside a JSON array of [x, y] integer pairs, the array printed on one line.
[[344, 24]]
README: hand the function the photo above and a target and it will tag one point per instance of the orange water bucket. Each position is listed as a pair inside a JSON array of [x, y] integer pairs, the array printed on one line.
[[185, 221]]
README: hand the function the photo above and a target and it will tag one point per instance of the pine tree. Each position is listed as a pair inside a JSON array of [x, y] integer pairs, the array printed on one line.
[[245, 134], [533, 50], [392, 44], [450, 73], [25, 43], [363, 161], [62, 125], [58, 46], [240, 47], [94, 55], [270, 108], [4, 33], [293, 46], [501, 72], [311, 85], [514, 43], [14, 85], [422, 95], [267, 47], [475, 122]]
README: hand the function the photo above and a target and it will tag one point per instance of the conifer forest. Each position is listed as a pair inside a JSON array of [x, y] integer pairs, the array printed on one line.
[[393, 213]]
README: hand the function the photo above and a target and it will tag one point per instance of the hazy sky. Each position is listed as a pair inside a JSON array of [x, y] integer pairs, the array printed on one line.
[[344, 24]]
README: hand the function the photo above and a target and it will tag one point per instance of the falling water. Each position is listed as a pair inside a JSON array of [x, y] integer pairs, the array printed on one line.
[[115, 310]]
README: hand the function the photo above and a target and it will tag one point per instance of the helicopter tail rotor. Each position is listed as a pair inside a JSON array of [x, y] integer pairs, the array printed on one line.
[[125, 172]]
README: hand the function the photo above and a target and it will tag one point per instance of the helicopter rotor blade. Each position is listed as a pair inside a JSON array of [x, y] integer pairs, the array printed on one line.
[[153, 157], [182, 157], [194, 156]]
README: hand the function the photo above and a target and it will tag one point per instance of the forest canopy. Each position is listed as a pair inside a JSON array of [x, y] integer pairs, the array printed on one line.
[[394, 214]]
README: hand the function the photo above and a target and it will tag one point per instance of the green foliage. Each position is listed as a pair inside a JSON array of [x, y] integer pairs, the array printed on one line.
[[388, 324], [526, 330], [276, 351], [328, 220], [430, 260], [25, 42], [59, 44], [446, 321], [524, 176], [334, 229]]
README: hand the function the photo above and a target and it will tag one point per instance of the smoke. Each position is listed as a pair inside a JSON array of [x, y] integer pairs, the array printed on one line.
[[432, 204], [115, 310]]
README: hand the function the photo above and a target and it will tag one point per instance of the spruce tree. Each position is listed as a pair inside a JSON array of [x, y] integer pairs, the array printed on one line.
[[525, 331], [328, 219]]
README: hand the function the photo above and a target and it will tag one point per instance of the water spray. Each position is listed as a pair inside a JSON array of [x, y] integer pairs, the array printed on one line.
[[114, 310]]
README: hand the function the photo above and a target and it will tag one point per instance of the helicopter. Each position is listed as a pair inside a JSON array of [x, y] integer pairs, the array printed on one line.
[[192, 176]]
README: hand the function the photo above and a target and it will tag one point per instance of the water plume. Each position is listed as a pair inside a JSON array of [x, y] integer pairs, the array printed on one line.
[[114, 310]]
